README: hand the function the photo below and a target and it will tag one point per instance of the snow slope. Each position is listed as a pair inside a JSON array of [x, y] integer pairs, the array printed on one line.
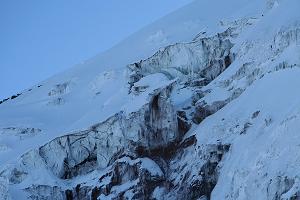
[[80, 106], [212, 86]]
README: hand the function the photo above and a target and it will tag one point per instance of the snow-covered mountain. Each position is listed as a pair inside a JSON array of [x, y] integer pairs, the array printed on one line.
[[202, 104]]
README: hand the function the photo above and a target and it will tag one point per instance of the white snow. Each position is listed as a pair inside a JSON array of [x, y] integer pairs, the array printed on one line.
[[99, 85], [269, 146], [266, 68]]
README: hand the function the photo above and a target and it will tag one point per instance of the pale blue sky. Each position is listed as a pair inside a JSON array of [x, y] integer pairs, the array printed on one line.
[[39, 38]]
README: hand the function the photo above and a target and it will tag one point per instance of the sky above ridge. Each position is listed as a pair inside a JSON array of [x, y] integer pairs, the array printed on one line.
[[41, 38]]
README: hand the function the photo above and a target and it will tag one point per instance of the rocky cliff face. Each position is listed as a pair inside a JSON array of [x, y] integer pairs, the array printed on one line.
[[206, 123]]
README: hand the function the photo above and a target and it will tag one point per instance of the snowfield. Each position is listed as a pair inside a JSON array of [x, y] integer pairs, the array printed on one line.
[[202, 104]]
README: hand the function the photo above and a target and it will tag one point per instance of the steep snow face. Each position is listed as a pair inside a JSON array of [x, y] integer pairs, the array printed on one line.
[[260, 123], [198, 105], [263, 137]]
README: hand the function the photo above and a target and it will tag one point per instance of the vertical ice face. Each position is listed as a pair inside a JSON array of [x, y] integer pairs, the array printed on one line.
[[202, 58]]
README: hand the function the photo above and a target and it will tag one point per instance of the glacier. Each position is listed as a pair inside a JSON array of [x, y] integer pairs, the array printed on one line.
[[201, 104]]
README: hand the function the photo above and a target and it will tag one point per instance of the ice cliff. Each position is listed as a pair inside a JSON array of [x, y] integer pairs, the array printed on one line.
[[202, 104]]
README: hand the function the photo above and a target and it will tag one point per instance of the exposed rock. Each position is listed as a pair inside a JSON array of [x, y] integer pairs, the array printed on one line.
[[142, 176], [82, 152], [183, 124], [202, 110], [202, 184], [11, 98], [151, 151], [279, 188], [155, 130]]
